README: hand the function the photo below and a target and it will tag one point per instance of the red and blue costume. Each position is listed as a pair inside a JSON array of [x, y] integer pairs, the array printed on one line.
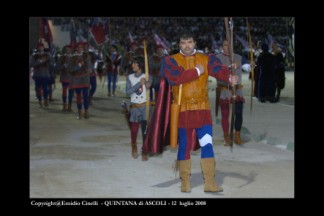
[[195, 120]]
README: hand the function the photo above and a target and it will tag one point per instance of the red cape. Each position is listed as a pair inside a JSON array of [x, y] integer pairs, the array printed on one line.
[[158, 134]]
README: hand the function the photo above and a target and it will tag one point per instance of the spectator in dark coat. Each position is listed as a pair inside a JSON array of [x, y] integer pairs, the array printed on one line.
[[266, 65]]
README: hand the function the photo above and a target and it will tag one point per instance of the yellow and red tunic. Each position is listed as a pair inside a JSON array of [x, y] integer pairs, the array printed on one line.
[[180, 69]]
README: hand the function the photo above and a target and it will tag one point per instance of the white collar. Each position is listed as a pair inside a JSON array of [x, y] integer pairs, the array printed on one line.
[[194, 52]]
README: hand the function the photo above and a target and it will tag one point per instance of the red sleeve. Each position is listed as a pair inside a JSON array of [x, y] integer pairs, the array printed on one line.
[[176, 74], [217, 70]]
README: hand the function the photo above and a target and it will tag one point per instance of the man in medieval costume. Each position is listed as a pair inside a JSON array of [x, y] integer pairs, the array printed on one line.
[[186, 75]]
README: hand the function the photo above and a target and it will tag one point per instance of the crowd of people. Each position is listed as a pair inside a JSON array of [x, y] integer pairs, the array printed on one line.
[[209, 30]]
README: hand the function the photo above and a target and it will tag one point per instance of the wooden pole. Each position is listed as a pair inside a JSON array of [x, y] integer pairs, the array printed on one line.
[[147, 79]]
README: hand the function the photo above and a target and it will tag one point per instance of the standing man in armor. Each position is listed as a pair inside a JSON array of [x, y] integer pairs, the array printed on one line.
[[226, 96]]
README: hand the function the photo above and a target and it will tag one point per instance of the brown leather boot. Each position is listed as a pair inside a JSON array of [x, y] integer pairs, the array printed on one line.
[[227, 139], [134, 150], [46, 102], [79, 114], [40, 103], [144, 156], [86, 114], [69, 108], [184, 171], [237, 138], [208, 167]]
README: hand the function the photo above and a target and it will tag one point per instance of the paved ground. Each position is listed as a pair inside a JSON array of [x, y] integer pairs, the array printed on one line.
[[71, 158]]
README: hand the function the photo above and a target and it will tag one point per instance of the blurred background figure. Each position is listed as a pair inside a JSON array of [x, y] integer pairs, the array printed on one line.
[[279, 69], [113, 61], [266, 75]]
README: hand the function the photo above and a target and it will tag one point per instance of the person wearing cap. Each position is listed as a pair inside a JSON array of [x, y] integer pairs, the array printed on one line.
[[113, 62], [41, 61], [80, 79], [136, 87]]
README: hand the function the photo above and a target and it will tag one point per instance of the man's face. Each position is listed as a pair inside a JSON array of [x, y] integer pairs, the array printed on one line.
[[133, 47], [187, 45], [79, 48], [225, 47], [135, 66], [159, 51]]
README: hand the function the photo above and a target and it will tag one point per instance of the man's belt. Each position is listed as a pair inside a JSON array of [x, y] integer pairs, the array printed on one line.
[[137, 105], [193, 100]]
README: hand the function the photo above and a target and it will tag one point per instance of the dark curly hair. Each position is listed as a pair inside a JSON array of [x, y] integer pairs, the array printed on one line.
[[140, 61]]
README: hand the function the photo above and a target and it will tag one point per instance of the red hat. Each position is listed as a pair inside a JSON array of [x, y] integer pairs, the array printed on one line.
[[67, 46], [159, 46], [79, 44]]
